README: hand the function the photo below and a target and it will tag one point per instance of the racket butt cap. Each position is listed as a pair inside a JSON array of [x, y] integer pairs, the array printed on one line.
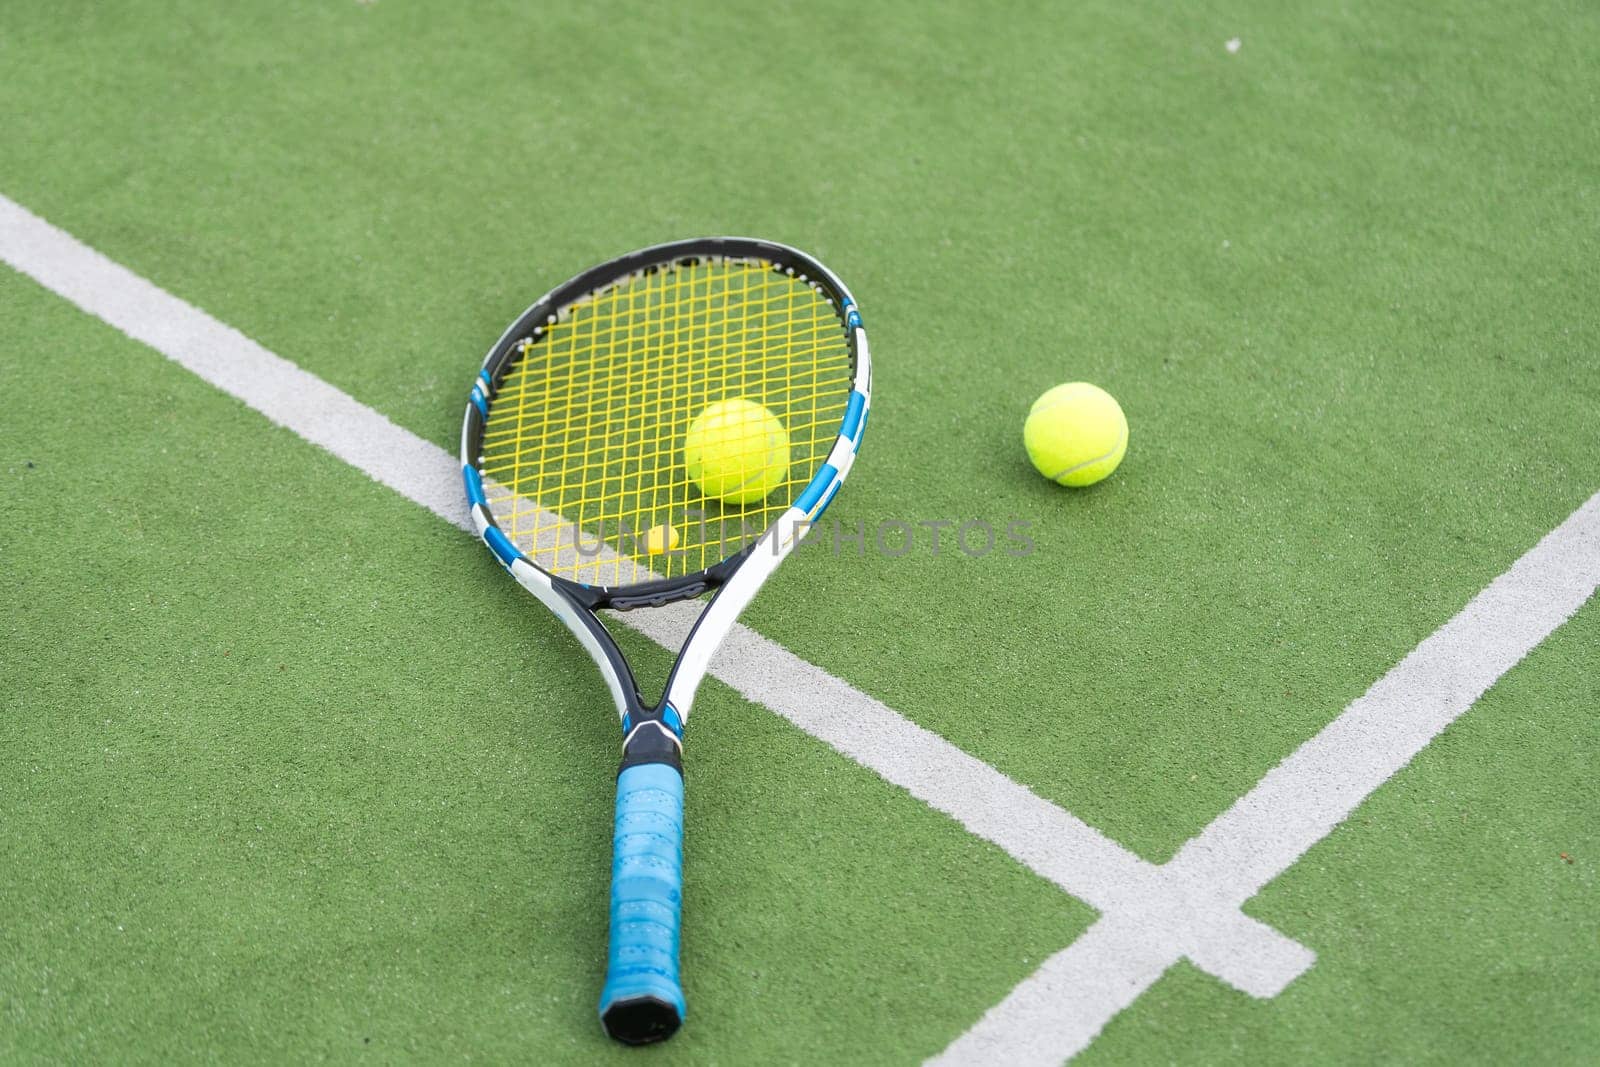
[[641, 1020]]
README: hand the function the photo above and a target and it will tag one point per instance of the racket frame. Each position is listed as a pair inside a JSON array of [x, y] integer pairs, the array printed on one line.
[[652, 735]]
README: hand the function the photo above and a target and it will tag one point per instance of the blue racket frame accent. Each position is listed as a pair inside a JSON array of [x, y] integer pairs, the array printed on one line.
[[819, 485], [854, 417], [502, 547], [669, 718], [852, 317], [669, 715], [474, 481]]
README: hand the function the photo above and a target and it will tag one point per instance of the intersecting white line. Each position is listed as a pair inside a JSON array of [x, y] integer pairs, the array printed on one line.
[[1059, 1009], [1150, 912]]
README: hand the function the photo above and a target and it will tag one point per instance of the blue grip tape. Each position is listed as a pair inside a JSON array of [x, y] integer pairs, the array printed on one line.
[[646, 888]]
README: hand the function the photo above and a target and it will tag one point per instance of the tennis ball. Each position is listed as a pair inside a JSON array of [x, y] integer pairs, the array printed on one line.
[[1076, 434], [659, 540], [737, 451]]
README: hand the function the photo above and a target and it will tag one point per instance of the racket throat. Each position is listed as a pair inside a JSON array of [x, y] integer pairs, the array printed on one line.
[[654, 736]]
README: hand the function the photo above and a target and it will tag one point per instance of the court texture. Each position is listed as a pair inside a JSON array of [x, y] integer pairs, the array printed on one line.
[[1278, 746]]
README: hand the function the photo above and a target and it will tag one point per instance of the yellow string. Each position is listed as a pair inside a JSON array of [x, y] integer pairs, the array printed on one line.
[[589, 422]]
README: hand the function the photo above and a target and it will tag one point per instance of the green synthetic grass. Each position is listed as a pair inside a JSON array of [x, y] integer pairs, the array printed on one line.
[[1342, 282]]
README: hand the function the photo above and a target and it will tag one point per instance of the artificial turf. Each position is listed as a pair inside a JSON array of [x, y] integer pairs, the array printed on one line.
[[1341, 280]]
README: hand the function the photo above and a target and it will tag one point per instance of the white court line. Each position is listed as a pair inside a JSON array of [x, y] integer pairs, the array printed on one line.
[[1058, 1010], [1149, 904]]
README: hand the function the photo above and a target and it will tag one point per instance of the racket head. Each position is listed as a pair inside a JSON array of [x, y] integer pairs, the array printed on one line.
[[572, 443]]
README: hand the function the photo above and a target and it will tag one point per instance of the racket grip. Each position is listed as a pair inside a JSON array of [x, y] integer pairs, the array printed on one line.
[[642, 1000]]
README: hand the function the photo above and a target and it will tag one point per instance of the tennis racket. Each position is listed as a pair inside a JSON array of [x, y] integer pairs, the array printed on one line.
[[573, 453]]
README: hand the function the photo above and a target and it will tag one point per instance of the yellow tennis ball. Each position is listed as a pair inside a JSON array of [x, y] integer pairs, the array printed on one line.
[[659, 540], [1076, 434], [737, 451]]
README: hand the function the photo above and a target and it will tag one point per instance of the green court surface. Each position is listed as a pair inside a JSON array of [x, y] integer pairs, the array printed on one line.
[[289, 772]]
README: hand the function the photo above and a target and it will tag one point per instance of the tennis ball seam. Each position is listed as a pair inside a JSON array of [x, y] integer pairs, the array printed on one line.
[[1122, 441]]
